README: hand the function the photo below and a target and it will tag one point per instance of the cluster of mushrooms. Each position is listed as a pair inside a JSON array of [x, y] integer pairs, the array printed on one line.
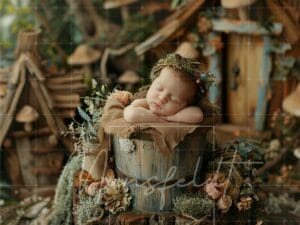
[[217, 188]]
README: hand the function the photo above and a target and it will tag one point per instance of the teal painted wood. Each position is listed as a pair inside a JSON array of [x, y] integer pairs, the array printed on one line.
[[265, 71], [244, 27], [215, 91], [148, 169]]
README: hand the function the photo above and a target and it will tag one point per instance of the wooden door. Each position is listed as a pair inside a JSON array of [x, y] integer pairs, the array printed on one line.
[[243, 63]]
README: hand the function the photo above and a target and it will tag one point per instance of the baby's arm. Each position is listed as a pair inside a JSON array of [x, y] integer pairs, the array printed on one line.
[[138, 112], [191, 114]]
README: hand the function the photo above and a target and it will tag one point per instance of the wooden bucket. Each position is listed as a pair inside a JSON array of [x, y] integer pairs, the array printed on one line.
[[156, 176]]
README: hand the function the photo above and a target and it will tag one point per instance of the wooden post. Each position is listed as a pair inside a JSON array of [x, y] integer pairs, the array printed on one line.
[[215, 91], [28, 40], [265, 71]]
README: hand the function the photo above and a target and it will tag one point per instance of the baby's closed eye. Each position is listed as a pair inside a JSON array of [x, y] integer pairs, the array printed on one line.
[[175, 99]]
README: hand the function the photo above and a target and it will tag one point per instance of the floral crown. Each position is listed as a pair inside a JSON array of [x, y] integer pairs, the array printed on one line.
[[188, 67]]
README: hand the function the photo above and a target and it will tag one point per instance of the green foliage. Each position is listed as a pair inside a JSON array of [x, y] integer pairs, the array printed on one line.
[[89, 207], [136, 29], [283, 67], [247, 148], [267, 22], [195, 205], [248, 190], [251, 153], [62, 213], [212, 12], [177, 3], [282, 203], [14, 16], [61, 27], [86, 132], [285, 125], [189, 67]]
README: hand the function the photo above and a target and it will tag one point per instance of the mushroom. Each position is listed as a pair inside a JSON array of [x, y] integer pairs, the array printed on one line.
[[240, 5], [186, 50], [291, 103], [297, 153], [129, 78], [84, 55], [27, 115], [111, 4], [52, 140]]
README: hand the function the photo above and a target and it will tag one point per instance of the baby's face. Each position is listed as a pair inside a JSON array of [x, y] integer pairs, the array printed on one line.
[[169, 93]]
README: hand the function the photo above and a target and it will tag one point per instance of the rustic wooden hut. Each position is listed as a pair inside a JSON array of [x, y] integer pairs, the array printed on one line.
[[239, 50], [34, 104]]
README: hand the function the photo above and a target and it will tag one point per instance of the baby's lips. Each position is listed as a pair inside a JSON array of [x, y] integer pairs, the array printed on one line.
[[157, 105]]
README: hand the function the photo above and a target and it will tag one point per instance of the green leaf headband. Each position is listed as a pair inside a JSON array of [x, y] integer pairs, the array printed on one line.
[[188, 67]]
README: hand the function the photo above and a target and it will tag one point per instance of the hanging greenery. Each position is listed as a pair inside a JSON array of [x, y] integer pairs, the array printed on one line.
[[86, 132]]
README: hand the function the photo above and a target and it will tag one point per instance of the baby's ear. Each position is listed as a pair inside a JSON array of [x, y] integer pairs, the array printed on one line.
[[124, 97]]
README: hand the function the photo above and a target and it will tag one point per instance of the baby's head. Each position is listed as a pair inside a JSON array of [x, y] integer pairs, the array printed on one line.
[[176, 84]]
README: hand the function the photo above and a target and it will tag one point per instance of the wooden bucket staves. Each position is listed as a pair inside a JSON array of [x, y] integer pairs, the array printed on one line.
[[156, 176]]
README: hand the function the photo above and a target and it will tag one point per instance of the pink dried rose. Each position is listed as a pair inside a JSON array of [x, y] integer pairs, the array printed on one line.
[[124, 97], [94, 187], [216, 185]]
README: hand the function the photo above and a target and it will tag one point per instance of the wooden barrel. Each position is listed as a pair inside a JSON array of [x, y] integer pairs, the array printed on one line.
[[156, 176]]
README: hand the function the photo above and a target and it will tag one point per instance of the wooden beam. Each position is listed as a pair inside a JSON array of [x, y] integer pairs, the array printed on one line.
[[46, 111], [66, 105], [66, 97], [5, 74], [12, 86], [170, 28], [9, 116], [33, 66], [244, 27], [68, 86], [215, 91], [25, 159], [262, 98], [38, 132], [68, 78], [47, 95], [66, 113]]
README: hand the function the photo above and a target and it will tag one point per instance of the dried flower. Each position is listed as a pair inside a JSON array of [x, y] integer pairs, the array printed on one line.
[[216, 43], [216, 185], [204, 25], [116, 196], [245, 203], [126, 145], [124, 97], [273, 150], [224, 203], [95, 187]]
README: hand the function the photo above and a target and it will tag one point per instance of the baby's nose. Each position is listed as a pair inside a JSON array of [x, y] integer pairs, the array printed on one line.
[[163, 97]]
